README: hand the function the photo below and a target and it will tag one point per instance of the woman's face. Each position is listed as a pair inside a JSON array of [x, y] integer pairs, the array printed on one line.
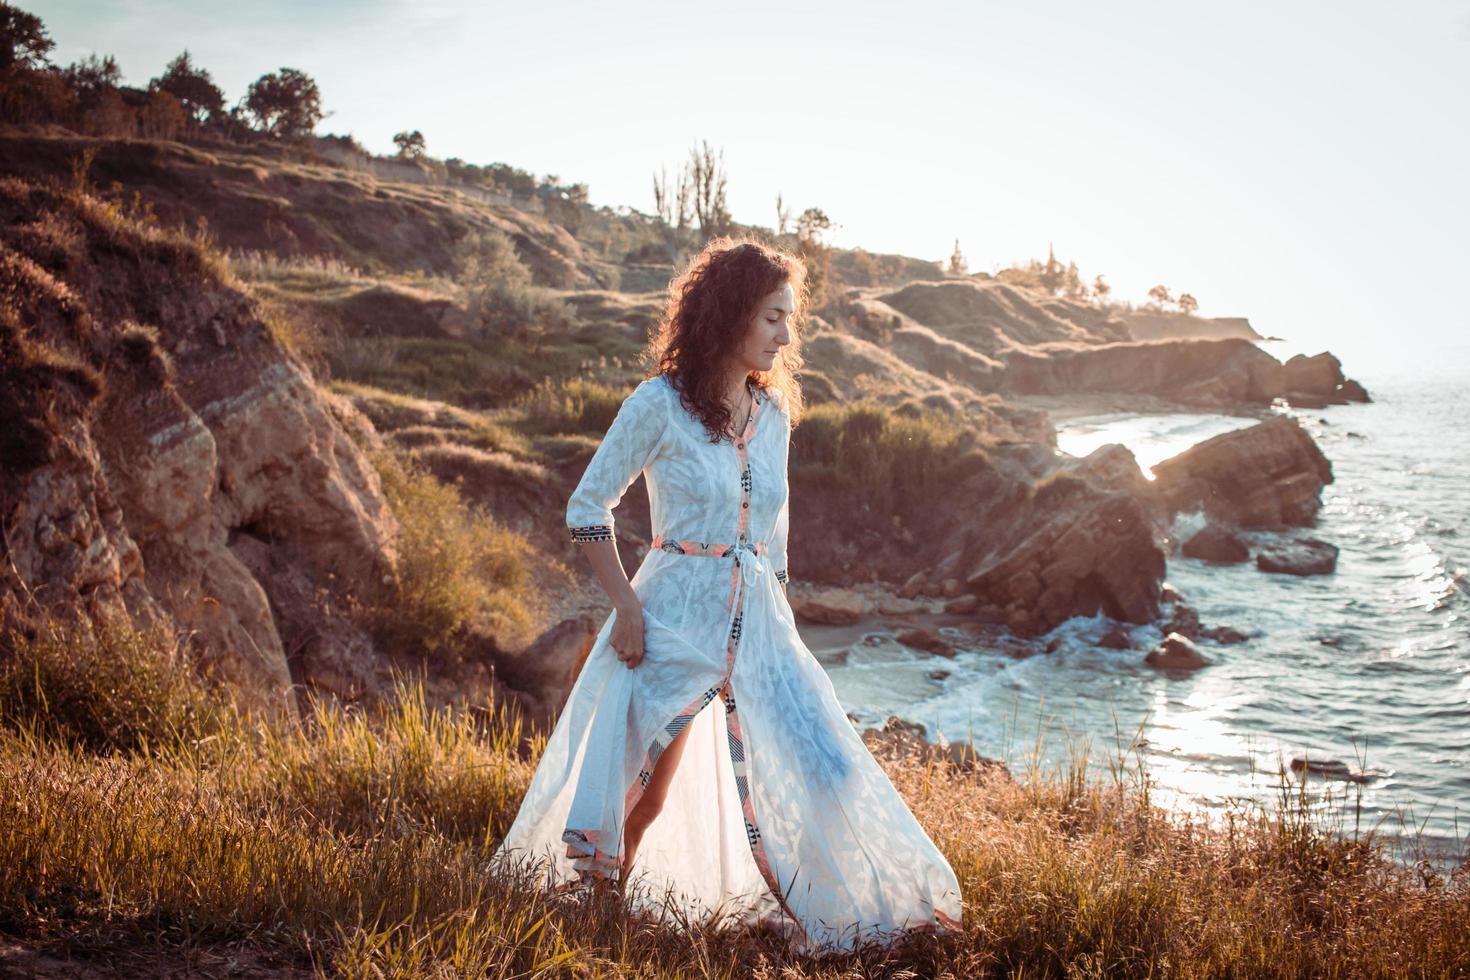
[[769, 330]]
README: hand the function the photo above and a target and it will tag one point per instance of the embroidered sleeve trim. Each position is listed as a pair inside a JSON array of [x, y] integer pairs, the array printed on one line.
[[591, 532], [781, 575]]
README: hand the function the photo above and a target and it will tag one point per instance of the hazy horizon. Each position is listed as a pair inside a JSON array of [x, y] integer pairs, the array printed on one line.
[[1294, 165]]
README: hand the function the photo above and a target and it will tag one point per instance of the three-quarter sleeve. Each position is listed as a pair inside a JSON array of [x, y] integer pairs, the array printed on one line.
[[630, 444]]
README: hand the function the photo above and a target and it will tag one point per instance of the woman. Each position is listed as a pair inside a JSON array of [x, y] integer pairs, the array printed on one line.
[[769, 807]]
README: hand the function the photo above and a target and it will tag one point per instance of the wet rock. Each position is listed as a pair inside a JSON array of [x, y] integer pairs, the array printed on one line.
[[1351, 391], [1176, 652], [1269, 475], [938, 675], [924, 638], [1330, 768], [1224, 635], [913, 585], [1218, 545], [896, 606], [963, 605], [829, 607], [1116, 638], [1083, 551], [1184, 620], [1168, 593], [1298, 556]]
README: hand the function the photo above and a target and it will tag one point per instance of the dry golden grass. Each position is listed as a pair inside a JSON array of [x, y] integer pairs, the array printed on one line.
[[356, 846]]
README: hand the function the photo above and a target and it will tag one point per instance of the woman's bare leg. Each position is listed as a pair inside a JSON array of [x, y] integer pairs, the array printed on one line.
[[652, 800]]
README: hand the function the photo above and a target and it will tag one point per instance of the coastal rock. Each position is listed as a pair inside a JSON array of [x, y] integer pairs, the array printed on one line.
[[1176, 652], [1183, 620], [1217, 545], [1331, 768], [828, 607], [924, 638], [1223, 635], [913, 585], [186, 471], [1116, 638], [900, 739], [889, 605], [1351, 391], [1265, 476], [962, 605], [1319, 374], [1202, 372], [1078, 551], [1298, 556]]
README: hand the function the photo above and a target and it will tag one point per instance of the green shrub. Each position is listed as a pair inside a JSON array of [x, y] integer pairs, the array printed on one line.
[[891, 459], [458, 568], [498, 293], [575, 405]]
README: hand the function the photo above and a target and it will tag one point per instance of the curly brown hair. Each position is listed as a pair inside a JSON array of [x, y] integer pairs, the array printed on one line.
[[709, 306]]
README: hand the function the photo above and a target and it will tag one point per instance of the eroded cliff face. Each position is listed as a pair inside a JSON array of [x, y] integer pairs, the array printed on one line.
[[167, 460]]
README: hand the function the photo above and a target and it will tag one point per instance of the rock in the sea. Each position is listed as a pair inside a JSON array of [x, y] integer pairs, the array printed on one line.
[[962, 605], [1183, 620], [1298, 556], [1331, 768], [1315, 381], [913, 585], [1116, 638], [1176, 652], [1269, 475], [897, 606], [1223, 635], [1219, 545], [924, 638], [828, 607], [1078, 550]]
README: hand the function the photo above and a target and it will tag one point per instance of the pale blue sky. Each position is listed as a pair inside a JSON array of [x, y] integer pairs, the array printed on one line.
[[1303, 164]]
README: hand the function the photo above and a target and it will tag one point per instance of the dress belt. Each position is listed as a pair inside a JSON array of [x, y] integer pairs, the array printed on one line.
[[751, 561]]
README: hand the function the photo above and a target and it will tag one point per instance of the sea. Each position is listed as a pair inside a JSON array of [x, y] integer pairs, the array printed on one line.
[[1368, 667]]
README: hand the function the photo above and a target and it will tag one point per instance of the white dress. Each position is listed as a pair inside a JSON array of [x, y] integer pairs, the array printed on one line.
[[777, 810]]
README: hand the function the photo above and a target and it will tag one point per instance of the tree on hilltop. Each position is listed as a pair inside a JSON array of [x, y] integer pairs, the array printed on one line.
[[783, 215], [285, 104], [92, 75], [410, 145], [200, 98], [1159, 296], [707, 174], [1187, 304], [23, 40], [1052, 275], [1101, 289], [957, 264], [811, 246]]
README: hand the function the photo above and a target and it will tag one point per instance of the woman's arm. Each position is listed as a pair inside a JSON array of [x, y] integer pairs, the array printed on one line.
[[630, 445]]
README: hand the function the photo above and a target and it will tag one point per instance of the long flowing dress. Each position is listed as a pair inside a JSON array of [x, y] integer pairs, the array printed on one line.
[[777, 811]]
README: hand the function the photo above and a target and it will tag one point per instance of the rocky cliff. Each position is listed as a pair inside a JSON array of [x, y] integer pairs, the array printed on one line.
[[167, 460]]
